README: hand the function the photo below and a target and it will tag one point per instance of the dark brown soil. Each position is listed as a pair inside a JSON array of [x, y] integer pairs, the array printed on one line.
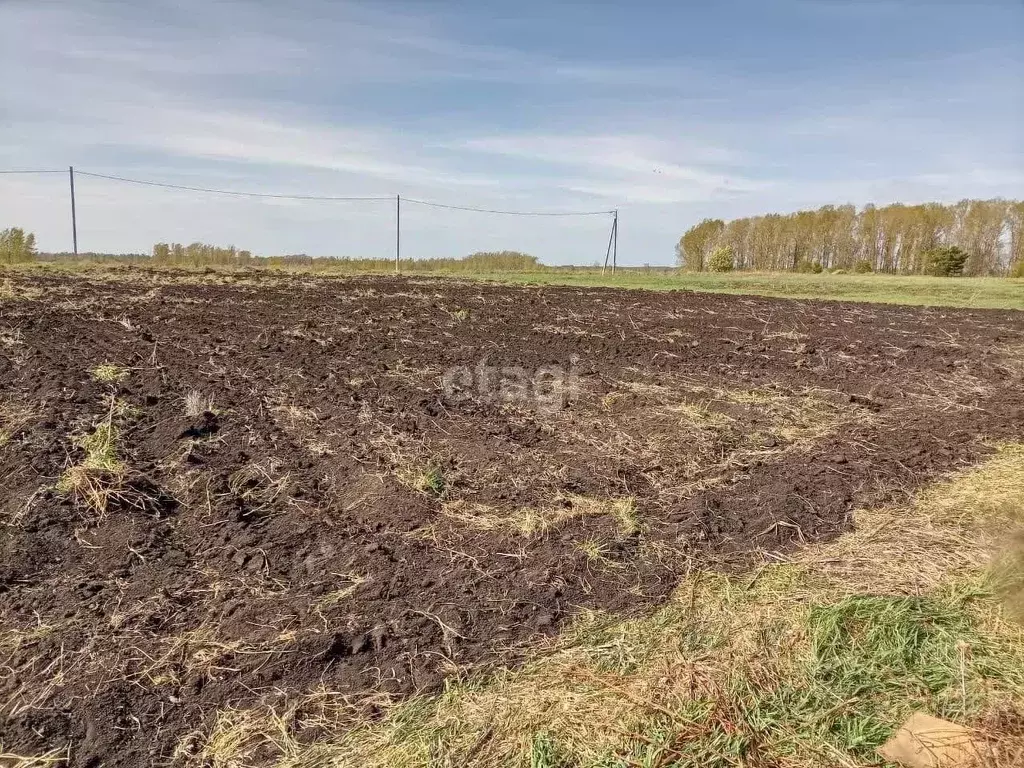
[[330, 515]]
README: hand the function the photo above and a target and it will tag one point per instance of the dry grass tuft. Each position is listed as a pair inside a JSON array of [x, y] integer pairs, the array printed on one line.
[[108, 373], [429, 480], [259, 486], [14, 417], [534, 521], [806, 663], [101, 476], [352, 582], [59, 756], [196, 404], [10, 290]]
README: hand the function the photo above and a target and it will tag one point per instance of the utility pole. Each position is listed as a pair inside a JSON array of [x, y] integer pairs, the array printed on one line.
[[608, 250], [398, 233], [615, 240], [74, 218]]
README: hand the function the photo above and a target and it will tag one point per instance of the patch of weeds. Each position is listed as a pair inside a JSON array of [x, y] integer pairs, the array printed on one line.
[[545, 752], [592, 549], [100, 475], [597, 553], [609, 400], [109, 373], [430, 481], [462, 314], [100, 448], [626, 514], [126, 411], [906, 645], [873, 660]]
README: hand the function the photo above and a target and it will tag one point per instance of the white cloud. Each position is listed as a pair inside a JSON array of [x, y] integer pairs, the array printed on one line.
[[628, 168]]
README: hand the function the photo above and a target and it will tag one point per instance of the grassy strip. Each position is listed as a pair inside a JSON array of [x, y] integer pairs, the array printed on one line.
[[810, 662], [980, 292]]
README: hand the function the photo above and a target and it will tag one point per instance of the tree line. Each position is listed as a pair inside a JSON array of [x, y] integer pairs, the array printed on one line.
[[898, 239], [199, 254], [16, 246]]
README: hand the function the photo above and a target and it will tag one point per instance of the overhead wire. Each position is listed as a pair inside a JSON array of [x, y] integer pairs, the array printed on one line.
[[227, 191], [341, 198], [505, 213], [34, 171]]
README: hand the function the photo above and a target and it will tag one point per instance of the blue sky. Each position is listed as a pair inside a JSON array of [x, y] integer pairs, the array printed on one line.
[[669, 112]]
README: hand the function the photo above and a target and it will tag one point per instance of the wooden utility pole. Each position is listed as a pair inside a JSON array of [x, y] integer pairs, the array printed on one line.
[[74, 218], [608, 250], [615, 240], [398, 233]]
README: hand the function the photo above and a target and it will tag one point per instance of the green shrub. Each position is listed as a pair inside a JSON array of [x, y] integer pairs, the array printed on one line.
[[945, 261], [1017, 270], [808, 267], [862, 267], [721, 260], [499, 261]]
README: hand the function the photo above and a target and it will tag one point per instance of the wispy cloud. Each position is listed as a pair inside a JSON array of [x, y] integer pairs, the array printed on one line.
[[627, 168]]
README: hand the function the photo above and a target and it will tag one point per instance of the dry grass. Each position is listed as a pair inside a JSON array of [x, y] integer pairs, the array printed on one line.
[[10, 290], [696, 435], [428, 479], [13, 418], [109, 373], [532, 521], [810, 662], [352, 582], [100, 477], [259, 486], [53, 757], [196, 404]]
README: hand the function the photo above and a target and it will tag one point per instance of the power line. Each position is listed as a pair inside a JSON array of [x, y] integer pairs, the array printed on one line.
[[238, 193], [612, 246], [507, 213], [35, 171], [224, 191]]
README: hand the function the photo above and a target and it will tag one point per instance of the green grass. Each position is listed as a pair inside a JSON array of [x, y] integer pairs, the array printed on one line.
[[98, 478], [431, 481], [977, 292]]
